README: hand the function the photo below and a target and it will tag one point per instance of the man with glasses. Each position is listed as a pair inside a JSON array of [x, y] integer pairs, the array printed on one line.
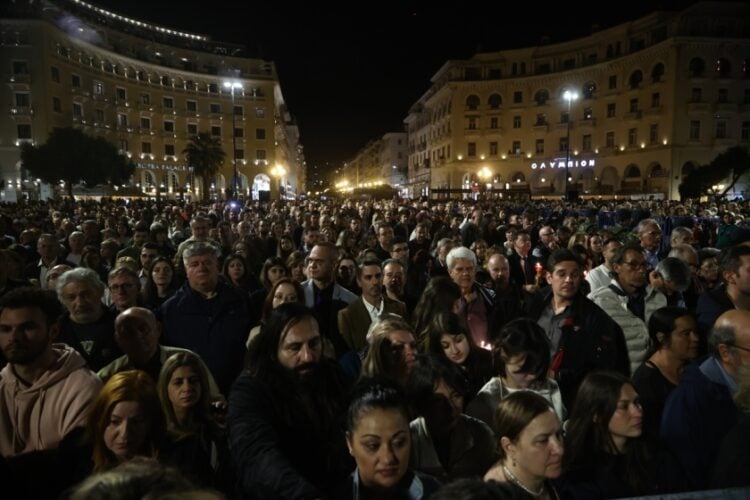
[[649, 237], [546, 243], [630, 300], [701, 410], [124, 288]]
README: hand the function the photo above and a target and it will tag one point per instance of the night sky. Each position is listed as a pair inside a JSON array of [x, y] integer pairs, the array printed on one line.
[[349, 77]]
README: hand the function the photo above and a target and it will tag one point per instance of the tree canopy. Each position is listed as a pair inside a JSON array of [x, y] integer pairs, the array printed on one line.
[[75, 157], [205, 154], [731, 164]]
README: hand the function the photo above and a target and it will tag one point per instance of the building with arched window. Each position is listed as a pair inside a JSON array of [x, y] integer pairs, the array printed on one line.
[[655, 97], [149, 90]]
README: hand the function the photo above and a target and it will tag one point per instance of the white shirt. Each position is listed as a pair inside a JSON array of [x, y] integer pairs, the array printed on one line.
[[599, 277], [374, 312]]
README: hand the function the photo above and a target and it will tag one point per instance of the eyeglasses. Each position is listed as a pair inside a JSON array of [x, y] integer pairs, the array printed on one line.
[[636, 264], [746, 349]]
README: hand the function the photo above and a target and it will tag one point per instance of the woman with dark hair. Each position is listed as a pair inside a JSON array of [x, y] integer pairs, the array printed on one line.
[[606, 454], [274, 268], [296, 265], [449, 338], [284, 291], [285, 247], [378, 437], [161, 282], [521, 361], [445, 443], [530, 445], [674, 343], [235, 270], [184, 393], [91, 258], [441, 294]]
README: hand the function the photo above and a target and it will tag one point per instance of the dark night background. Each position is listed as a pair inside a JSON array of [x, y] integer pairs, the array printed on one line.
[[350, 73]]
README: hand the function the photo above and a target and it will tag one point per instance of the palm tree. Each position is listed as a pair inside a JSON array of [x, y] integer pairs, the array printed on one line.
[[205, 154]]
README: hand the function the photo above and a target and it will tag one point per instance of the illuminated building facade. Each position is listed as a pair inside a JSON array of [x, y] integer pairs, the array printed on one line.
[[147, 89], [380, 162], [650, 100]]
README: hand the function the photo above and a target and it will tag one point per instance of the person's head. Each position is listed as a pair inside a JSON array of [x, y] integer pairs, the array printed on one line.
[[201, 260], [681, 236], [521, 353], [149, 251], [594, 244], [729, 340], [54, 273], [530, 436], [629, 265], [462, 267], [322, 262], [28, 324], [394, 275], [274, 268], [370, 280], [688, 255], [377, 434], [671, 276], [708, 269], [400, 249], [137, 334], [289, 342], [80, 290], [606, 414], [440, 294], [385, 236], [162, 272], [735, 269], [673, 330], [649, 234], [392, 349], [235, 269], [436, 389], [76, 242], [522, 243], [346, 269], [199, 227], [124, 287], [564, 274], [450, 337], [183, 389], [284, 291], [499, 269], [444, 246], [609, 249], [296, 265], [47, 247], [141, 234], [421, 232], [355, 224], [125, 420]]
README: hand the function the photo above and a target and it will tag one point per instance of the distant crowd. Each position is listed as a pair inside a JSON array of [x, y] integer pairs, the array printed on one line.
[[363, 349]]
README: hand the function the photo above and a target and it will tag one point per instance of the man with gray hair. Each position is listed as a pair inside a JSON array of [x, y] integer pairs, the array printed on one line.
[[439, 265], [649, 237], [700, 410], [477, 302], [671, 277], [88, 326], [207, 315]]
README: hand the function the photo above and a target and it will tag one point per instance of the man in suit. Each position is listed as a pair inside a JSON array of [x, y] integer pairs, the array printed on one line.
[[522, 262], [355, 319], [49, 256], [323, 295]]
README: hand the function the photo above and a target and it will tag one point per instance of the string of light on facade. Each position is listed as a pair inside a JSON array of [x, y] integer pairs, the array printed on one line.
[[140, 24]]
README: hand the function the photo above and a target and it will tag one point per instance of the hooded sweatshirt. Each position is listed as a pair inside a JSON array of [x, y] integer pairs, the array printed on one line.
[[37, 417]]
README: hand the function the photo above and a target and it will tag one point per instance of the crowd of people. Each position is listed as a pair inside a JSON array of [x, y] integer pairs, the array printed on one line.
[[363, 349]]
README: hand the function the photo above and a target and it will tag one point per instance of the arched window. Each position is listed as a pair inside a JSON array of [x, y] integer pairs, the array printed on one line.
[[657, 171], [723, 68], [166, 81], [541, 97], [495, 101], [518, 177], [588, 90], [632, 172], [636, 77], [657, 73], [472, 102], [697, 67]]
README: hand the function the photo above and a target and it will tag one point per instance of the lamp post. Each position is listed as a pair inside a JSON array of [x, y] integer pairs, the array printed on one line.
[[231, 85], [570, 97], [484, 174], [279, 172]]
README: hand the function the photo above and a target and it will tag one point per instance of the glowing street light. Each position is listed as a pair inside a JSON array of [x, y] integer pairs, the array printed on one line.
[[569, 96], [232, 85]]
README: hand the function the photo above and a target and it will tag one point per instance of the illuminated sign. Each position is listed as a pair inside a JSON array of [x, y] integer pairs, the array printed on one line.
[[561, 164]]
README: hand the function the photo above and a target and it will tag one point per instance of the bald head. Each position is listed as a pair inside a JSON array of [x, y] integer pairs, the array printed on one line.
[[137, 334], [729, 341], [498, 267]]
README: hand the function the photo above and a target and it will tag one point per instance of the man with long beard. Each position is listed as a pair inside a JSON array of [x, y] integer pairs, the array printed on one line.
[[285, 426]]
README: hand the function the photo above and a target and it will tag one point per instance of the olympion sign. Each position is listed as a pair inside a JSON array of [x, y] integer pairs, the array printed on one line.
[[561, 164]]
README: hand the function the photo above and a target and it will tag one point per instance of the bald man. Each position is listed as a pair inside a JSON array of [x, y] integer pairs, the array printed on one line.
[[701, 409], [137, 334], [509, 296]]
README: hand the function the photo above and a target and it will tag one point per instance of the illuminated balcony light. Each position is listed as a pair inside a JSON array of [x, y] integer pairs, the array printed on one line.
[[664, 141], [460, 157], [643, 145], [622, 148]]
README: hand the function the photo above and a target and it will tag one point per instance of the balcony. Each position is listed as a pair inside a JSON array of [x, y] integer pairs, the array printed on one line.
[[20, 78], [654, 111], [122, 104], [21, 110], [587, 122], [541, 127], [634, 115], [698, 107], [725, 107]]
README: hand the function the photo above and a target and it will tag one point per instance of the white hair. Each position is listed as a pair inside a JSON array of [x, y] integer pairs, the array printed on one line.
[[462, 253]]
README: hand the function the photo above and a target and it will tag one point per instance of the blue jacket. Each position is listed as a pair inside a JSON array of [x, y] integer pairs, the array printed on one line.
[[697, 415], [215, 329]]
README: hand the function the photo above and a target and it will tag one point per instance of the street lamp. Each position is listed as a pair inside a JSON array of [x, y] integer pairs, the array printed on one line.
[[484, 174], [231, 85], [570, 97], [279, 172]]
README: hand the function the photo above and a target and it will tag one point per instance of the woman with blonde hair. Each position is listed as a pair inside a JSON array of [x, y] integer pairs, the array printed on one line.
[[391, 350]]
